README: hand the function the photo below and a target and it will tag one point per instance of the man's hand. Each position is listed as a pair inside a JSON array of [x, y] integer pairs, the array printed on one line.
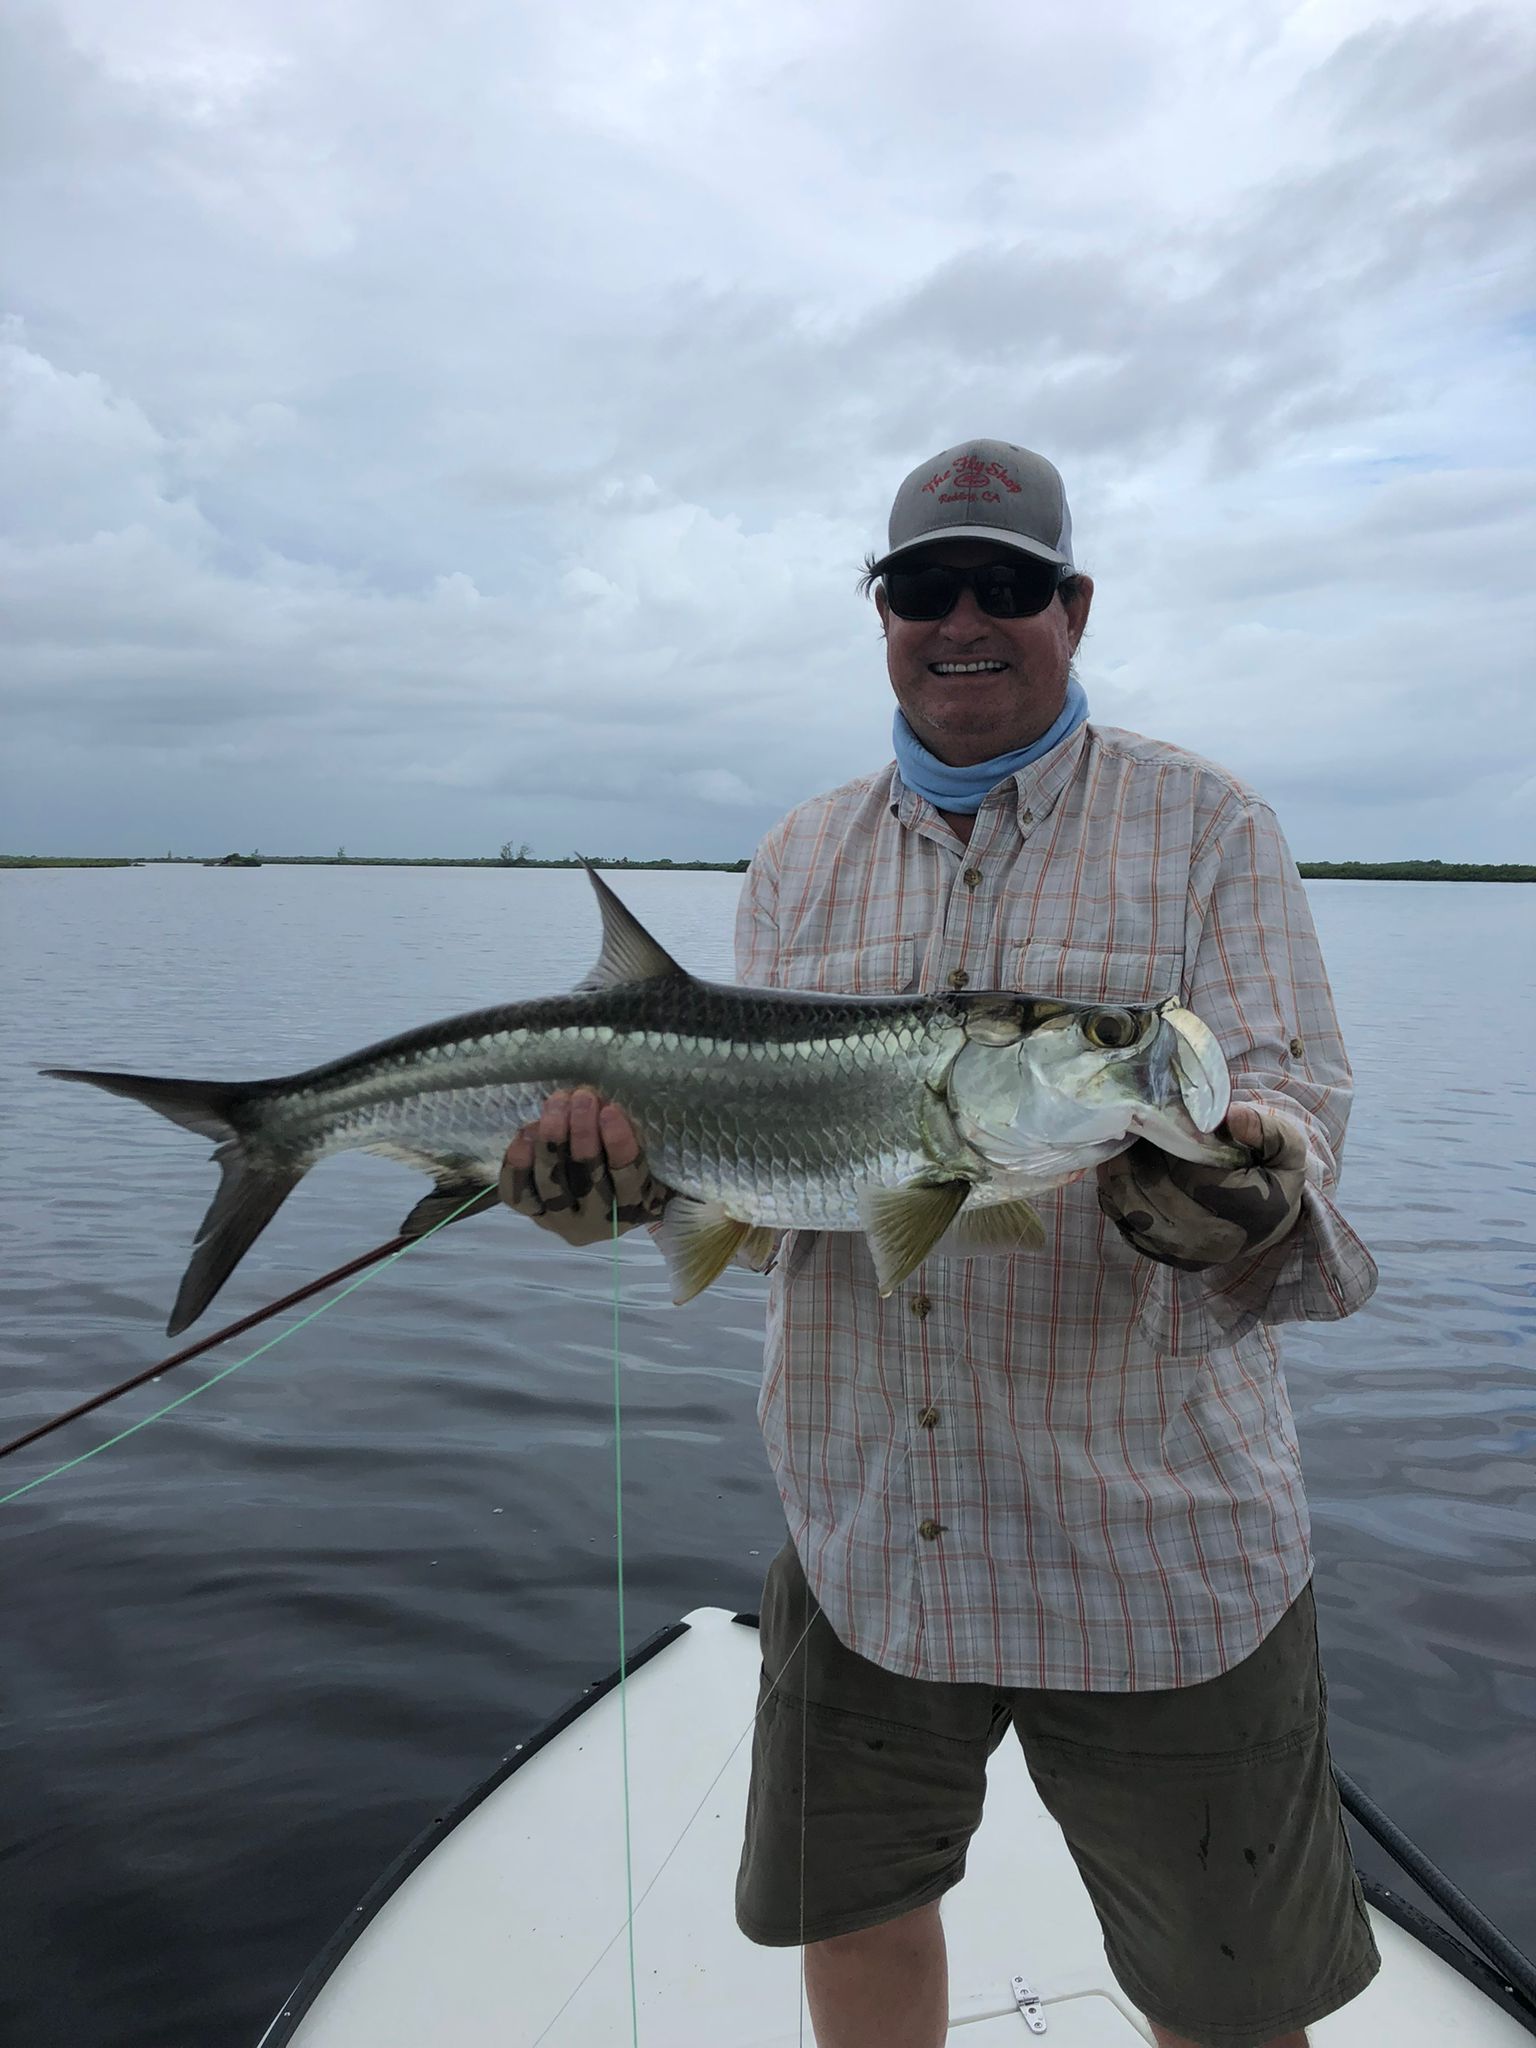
[[1193, 1216], [567, 1170]]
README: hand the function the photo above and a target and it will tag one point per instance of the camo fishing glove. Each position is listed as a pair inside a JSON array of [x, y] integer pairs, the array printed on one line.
[[1193, 1216], [575, 1197]]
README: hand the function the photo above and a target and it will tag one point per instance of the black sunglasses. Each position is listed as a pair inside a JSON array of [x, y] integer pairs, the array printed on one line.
[[1015, 589]]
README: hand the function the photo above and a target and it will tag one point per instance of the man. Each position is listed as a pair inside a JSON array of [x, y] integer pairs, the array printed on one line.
[[1057, 1489]]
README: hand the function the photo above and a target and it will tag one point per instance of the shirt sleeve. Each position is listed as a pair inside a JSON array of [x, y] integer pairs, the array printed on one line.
[[1254, 972], [757, 922]]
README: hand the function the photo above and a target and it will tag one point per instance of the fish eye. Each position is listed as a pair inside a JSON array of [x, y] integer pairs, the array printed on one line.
[[1111, 1030]]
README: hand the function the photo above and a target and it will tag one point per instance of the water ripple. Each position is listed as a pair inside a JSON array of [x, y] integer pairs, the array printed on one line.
[[252, 1648]]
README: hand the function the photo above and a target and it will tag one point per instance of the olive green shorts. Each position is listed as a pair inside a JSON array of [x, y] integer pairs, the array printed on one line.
[[1203, 1818]]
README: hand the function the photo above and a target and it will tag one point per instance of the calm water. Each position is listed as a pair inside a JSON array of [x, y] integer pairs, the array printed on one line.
[[249, 1651]]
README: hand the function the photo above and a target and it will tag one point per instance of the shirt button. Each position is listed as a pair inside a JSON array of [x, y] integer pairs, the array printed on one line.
[[921, 1306], [1297, 1048], [958, 977], [931, 1531], [971, 877], [929, 1419], [1028, 818]]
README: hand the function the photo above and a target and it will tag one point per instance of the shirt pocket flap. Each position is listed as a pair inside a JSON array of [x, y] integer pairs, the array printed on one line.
[[1088, 974], [883, 967]]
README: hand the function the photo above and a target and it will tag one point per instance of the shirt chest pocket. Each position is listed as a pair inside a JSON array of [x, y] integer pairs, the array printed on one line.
[[1088, 974], [883, 967]]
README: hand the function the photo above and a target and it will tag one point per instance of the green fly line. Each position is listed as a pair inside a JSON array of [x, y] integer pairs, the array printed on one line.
[[634, 1904], [618, 1524], [618, 1493], [193, 1392], [631, 1902]]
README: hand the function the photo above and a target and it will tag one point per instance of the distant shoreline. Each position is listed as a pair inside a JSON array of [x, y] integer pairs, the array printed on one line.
[[360, 860], [1311, 870]]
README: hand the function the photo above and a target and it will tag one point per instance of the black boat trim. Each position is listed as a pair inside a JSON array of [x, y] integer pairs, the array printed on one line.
[[1491, 1982], [1494, 1984], [314, 1979], [1509, 1962]]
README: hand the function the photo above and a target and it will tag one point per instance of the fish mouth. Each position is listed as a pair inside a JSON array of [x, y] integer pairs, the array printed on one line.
[[1205, 1087], [1172, 1129], [1184, 1121]]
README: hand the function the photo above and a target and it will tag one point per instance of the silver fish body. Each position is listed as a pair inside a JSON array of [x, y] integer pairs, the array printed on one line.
[[925, 1121], [783, 1106]]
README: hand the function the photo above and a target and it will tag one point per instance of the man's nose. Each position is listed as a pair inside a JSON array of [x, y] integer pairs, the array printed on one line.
[[967, 621]]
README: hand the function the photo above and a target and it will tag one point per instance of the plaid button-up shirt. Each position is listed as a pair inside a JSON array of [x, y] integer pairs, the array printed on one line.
[[1072, 1467]]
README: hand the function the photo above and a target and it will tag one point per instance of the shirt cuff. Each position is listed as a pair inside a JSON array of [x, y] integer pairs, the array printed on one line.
[[1319, 1273]]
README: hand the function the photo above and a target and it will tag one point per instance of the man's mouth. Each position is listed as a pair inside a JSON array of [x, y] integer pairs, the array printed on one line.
[[967, 668]]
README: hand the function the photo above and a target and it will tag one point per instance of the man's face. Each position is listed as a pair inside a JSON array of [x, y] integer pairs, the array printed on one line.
[[965, 713]]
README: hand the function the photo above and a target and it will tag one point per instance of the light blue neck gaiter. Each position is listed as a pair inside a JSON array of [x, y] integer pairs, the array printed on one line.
[[965, 789]]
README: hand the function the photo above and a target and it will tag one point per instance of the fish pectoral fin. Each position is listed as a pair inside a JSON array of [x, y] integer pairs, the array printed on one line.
[[904, 1224], [454, 1194], [629, 953], [698, 1241], [998, 1227]]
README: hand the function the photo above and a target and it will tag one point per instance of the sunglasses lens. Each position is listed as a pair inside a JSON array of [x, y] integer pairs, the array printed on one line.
[[1004, 590], [1014, 590], [922, 593]]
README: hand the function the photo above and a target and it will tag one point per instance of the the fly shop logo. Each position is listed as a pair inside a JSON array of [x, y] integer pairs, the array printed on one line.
[[972, 482]]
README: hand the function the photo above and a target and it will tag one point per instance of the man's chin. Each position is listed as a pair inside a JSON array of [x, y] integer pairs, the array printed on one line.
[[965, 724]]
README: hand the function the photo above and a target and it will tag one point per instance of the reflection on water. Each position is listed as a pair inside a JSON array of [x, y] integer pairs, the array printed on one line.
[[250, 1650]]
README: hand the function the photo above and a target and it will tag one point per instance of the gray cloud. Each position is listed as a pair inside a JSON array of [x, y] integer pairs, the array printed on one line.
[[429, 428]]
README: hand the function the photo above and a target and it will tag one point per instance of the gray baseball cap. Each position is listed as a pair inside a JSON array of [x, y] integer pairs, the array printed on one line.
[[983, 490]]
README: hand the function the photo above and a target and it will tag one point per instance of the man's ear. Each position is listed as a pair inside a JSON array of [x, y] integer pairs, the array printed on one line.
[[1077, 609]]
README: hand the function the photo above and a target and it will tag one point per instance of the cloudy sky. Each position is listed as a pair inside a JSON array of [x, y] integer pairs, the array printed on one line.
[[430, 425]]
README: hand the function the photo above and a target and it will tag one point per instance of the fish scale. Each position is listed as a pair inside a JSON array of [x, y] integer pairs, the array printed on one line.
[[920, 1119], [781, 1108]]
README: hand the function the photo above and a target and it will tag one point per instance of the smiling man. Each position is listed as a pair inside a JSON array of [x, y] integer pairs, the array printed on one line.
[[1051, 1491]]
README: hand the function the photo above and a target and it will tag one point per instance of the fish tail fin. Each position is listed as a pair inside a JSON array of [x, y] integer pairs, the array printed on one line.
[[249, 1197], [251, 1189], [207, 1107]]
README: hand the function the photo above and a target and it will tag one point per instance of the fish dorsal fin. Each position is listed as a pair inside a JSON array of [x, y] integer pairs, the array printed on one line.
[[629, 952], [904, 1224]]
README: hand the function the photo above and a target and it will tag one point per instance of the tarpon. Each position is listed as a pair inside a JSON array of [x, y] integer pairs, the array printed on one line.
[[927, 1121]]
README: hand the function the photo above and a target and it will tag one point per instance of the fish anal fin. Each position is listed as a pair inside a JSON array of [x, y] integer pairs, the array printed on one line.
[[629, 953], [996, 1227], [698, 1241], [904, 1224], [454, 1194], [757, 1246]]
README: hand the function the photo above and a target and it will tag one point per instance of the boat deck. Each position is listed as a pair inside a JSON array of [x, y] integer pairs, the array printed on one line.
[[505, 1927]]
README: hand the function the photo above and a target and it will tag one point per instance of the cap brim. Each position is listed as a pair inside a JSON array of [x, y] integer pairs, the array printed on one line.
[[1021, 544]]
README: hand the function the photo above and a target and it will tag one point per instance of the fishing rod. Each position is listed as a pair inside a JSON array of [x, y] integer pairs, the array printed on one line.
[[238, 1329]]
